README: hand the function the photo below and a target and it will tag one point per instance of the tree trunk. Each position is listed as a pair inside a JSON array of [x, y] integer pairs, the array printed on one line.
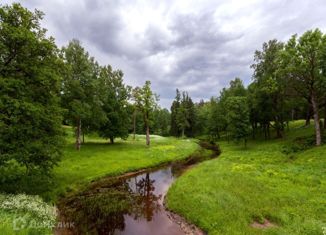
[[278, 127], [308, 115], [287, 126], [325, 117], [134, 124], [253, 131], [111, 140], [78, 132], [279, 133], [83, 138], [292, 114], [147, 134], [183, 133], [316, 118]]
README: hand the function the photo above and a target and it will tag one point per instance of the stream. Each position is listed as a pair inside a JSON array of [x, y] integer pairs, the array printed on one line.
[[130, 204]]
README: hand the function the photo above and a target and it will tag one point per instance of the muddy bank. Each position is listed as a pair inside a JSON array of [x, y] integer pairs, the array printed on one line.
[[132, 203]]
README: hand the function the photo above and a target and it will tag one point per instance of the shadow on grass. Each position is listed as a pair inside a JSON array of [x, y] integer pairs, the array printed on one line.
[[95, 143]]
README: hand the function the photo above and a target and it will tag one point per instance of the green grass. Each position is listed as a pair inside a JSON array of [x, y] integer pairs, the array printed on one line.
[[96, 159], [225, 195]]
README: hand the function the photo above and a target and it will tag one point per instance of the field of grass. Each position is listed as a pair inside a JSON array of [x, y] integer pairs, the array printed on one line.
[[96, 159], [226, 195]]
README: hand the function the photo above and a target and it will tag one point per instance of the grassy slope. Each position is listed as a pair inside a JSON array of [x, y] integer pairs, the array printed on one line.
[[225, 195], [97, 158]]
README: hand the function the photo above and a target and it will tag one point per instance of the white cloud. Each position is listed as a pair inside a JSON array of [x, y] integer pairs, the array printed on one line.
[[192, 45]]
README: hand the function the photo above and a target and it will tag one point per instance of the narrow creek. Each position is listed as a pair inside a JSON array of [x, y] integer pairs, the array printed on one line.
[[125, 205]]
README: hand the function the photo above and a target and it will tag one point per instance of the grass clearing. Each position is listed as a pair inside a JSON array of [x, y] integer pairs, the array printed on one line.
[[226, 195], [97, 159]]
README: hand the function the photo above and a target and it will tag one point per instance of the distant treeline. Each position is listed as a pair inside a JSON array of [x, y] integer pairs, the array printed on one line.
[[43, 86], [288, 83]]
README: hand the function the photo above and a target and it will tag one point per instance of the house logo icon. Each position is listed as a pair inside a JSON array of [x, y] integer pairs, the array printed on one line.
[[19, 223]]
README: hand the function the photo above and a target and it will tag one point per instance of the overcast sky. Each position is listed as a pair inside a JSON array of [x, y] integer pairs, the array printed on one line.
[[197, 46]]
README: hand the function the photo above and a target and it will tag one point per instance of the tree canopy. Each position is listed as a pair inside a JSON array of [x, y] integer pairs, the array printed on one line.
[[31, 116]]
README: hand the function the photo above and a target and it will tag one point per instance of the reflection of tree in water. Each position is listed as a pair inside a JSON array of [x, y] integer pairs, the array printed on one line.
[[102, 211], [147, 202], [99, 212]]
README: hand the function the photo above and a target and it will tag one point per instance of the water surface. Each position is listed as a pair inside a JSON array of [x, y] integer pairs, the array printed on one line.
[[132, 205], [127, 205]]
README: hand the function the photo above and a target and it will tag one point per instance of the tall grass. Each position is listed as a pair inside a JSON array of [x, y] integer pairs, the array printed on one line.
[[226, 195]]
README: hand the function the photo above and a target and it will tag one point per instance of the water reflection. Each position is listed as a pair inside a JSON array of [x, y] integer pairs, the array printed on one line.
[[126, 206], [147, 202]]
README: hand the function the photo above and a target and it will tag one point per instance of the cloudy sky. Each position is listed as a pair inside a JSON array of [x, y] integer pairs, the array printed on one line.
[[193, 45]]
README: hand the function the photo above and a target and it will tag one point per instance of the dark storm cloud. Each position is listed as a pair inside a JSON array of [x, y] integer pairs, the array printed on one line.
[[198, 46]]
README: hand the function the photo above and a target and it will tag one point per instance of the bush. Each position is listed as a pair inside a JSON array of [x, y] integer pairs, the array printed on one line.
[[301, 144]]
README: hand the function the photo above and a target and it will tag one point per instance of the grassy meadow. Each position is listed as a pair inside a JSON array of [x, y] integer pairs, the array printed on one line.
[[254, 184], [225, 195], [98, 158]]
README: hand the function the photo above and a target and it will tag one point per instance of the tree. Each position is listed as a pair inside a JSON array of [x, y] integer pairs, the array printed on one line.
[[136, 93], [146, 103], [185, 116], [174, 131], [236, 89], [31, 117], [114, 105], [78, 87], [270, 86], [238, 118], [191, 114], [202, 111], [96, 97], [161, 122], [303, 63], [216, 120], [182, 119]]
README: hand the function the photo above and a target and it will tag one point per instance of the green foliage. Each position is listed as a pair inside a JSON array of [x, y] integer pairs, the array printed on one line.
[[95, 97], [202, 113], [303, 62], [30, 119], [236, 88], [115, 105], [268, 93], [217, 121], [174, 131], [300, 144], [183, 116], [289, 83], [161, 122], [238, 118], [146, 103], [81, 95]]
